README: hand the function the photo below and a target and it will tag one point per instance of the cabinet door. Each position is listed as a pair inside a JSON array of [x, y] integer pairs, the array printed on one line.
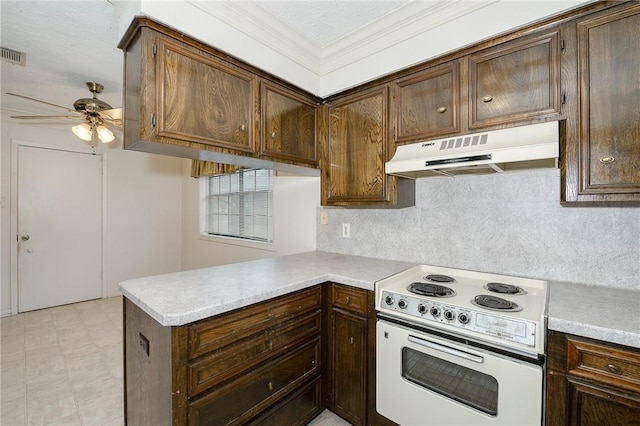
[[202, 99], [591, 405], [349, 372], [357, 149], [609, 93], [426, 105], [515, 82], [288, 125]]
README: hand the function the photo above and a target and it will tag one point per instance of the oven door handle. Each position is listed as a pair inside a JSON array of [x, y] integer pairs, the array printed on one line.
[[446, 349]]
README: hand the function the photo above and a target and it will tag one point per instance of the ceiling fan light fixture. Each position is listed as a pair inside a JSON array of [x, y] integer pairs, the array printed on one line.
[[83, 131], [105, 135]]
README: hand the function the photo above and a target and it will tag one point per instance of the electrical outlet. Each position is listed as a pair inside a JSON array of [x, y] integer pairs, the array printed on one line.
[[324, 218], [346, 230], [144, 344]]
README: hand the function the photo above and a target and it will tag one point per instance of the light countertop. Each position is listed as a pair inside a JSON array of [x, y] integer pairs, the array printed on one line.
[[606, 314]]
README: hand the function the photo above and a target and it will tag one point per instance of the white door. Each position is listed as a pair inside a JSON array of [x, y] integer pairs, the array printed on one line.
[[59, 227]]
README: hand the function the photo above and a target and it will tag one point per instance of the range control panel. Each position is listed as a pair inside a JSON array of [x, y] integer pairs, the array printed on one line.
[[419, 310]]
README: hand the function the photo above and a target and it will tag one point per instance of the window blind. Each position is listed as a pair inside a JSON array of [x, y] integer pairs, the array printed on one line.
[[240, 205]]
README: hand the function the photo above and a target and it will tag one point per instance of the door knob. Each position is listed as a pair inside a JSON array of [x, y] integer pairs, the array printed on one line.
[[29, 250], [25, 238]]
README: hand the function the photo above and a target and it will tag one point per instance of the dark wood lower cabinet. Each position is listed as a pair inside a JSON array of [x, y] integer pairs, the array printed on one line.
[[279, 362], [257, 365], [591, 383]]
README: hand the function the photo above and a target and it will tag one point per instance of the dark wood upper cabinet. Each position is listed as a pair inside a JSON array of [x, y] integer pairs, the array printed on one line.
[[606, 151], [288, 125], [426, 104], [515, 82], [356, 148], [203, 100], [185, 98]]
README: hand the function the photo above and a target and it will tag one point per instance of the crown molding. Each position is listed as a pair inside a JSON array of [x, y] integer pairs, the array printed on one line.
[[407, 21], [254, 21]]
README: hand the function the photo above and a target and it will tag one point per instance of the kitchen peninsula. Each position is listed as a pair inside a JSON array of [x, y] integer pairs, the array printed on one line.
[[177, 325]]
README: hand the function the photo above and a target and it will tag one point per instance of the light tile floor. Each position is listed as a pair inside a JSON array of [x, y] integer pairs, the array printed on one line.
[[63, 366]]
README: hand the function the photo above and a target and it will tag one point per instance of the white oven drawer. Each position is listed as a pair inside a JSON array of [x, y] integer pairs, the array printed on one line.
[[427, 380]]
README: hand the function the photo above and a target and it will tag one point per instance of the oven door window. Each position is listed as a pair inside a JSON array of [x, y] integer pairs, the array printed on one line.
[[462, 384]]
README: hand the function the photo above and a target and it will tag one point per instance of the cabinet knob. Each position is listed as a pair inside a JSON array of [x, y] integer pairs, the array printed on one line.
[[487, 99], [270, 385], [614, 369], [273, 135], [606, 160], [347, 300], [442, 110], [351, 340], [243, 127], [375, 179]]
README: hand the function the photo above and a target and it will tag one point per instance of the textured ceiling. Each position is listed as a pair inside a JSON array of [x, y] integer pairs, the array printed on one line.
[[325, 21]]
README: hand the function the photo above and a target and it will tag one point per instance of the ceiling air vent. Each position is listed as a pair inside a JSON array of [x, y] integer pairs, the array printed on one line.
[[13, 56]]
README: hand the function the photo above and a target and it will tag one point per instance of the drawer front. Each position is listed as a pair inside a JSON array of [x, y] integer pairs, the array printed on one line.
[[241, 400], [349, 298], [297, 410], [220, 331], [607, 364], [242, 355]]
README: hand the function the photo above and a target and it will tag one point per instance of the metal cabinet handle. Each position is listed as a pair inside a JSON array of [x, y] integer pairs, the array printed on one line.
[[273, 135], [442, 110], [614, 369], [347, 300], [243, 127], [487, 99], [606, 160], [351, 340], [270, 385]]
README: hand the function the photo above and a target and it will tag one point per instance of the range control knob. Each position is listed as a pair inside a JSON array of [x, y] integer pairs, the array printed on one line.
[[389, 300], [434, 311], [422, 308], [463, 317], [449, 315], [402, 304]]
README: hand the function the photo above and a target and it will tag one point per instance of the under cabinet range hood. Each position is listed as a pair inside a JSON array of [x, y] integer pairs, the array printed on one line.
[[495, 151]]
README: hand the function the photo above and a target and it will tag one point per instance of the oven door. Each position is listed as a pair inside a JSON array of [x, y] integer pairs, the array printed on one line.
[[422, 379]]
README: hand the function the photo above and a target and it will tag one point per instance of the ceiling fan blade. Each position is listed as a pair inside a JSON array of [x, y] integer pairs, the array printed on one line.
[[42, 102], [114, 113], [113, 116], [40, 117]]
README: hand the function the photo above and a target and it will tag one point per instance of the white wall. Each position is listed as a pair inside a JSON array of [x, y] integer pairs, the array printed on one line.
[[143, 208], [296, 199]]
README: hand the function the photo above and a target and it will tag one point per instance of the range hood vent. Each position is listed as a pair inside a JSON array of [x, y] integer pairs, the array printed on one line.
[[496, 151]]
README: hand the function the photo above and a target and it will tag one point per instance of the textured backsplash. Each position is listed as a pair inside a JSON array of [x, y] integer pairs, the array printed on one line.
[[510, 223]]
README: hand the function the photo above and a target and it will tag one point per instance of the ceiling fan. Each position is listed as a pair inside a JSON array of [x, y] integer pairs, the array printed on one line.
[[99, 117]]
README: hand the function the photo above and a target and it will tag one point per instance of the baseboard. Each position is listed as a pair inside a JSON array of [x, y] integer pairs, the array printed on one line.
[[5, 313]]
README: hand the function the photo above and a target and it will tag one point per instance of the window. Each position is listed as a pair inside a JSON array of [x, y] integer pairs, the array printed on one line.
[[239, 205]]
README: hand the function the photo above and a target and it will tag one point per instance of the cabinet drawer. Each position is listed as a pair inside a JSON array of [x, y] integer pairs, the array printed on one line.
[[298, 409], [607, 364], [218, 332], [242, 399], [244, 354], [352, 299]]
